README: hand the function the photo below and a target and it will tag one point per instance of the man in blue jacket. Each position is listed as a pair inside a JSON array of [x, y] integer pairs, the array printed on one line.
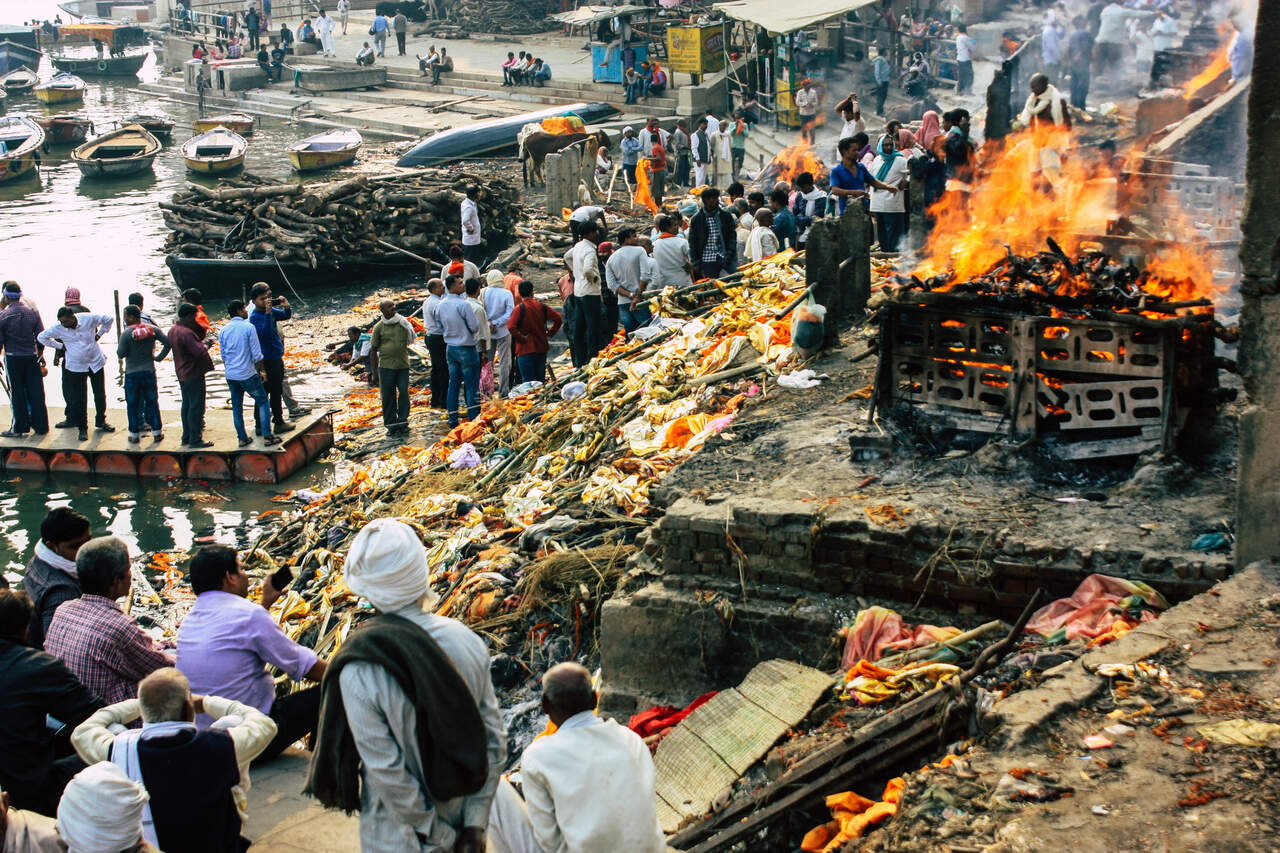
[[266, 313]]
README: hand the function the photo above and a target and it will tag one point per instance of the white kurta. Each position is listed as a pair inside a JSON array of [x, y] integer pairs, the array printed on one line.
[[395, 807]]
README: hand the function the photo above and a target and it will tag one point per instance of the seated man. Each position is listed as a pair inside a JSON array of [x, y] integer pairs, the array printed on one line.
[[445, 64], [50, 578], [27, 832], [344, 352], [264, 60], [506, 68], [541, 72], [101, 646], [365, 56], [277, 64], [33, 687], [589, 786], [226, 640], [426, 63], [102, 811], [197, 779]]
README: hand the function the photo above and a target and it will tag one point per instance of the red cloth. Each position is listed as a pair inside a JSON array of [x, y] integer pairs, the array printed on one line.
[[659, 718], [1092, 610], [528, 325]]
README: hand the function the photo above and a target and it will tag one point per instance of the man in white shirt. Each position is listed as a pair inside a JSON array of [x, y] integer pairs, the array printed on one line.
[[324, 29], [435, 342], [472, 241], [498, 306], [584, 266], [700, 149], [627, 274], [584, 214], [344, 13], [649, 133], [77, 335], [806, 99], [964, 61], [588, 787], [671, 259]]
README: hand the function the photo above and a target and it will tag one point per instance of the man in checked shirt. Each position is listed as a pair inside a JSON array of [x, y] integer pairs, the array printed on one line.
[[101, 646]]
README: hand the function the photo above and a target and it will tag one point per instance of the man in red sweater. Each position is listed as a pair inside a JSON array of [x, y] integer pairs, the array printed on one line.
[[531, 324]]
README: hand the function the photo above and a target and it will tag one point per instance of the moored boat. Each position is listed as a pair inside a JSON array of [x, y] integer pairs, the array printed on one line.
[[61, 89], [65, 129], [240, 123], [228, 276], [331, 148], [19, 81], [4, 96], [489, 137], [158, 126], [101, 66], [121, 152], [20, 141], [15, 52], [214, 151]]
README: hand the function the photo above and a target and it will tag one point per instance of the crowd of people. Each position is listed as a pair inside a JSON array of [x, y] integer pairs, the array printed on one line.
[[250, 343], [135, 746]]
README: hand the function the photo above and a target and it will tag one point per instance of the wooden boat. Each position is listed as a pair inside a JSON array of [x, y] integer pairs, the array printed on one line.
[[19, 81], [214, 151], [65, 129], [489, 137], [106, 66], [227, 276], [158, 126], [121, 152], [331, 148], [240, 123], [61, 89], [20, 140], [14, 54]]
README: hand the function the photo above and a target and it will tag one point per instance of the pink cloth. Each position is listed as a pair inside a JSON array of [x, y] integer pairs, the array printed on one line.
[[1095, 606], [930, 128], [878, 629]]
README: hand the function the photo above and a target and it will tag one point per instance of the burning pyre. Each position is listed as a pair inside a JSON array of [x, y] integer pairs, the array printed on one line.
[[789, 164]]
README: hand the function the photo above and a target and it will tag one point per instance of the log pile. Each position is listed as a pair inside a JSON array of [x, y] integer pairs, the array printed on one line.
[[511, 17], [323, 224]]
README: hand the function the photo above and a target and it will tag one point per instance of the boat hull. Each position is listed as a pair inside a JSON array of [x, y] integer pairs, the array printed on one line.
[[115, 168], [159, 128], [325, 79], [118, 66], [59, 96], [308, 161], [244, 128], [18, 167], [214, 167], [233, 276], [14, 56], [489, 137], [65, 133]]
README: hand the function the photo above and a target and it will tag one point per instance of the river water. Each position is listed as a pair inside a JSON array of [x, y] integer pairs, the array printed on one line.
[[104, 236]]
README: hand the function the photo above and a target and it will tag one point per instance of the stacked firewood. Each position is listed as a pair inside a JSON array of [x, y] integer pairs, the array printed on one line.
[[322, 224], [512, 17]]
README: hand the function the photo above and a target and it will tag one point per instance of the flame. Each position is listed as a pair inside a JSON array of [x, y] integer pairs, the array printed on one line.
[[1032, 186], [794, 159], [1211, 72]]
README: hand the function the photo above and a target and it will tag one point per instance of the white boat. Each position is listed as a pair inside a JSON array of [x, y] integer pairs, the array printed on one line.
[[331, 148], [121, 152], [20, 141], [214, 151]]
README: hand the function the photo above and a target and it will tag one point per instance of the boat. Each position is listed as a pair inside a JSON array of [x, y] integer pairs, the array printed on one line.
[[19, 46], [158, 126], [324, 78], [20, 140], [228, 276], [19, 81], [489, 137], [214, 151], [121, 152], [4, 96], [65, 129], [101, 66], [60, 89], [331, 148], [241, 123]]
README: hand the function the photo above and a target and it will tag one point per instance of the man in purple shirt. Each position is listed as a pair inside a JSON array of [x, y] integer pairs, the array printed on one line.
[[226, 639], [23, 361]]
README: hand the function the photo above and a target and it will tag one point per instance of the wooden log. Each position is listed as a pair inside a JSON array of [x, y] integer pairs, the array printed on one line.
[[235, 193], [196, 212]]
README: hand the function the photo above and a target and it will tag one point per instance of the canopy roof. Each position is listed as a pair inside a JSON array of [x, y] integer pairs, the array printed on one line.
[[787, 16], [584, 15]]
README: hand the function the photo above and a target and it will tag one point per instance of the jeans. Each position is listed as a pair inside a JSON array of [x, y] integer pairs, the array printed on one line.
[[26, 394], [393, 382], [682, 170], [586, 328], [261, 408], [439, 370], [76, 393], [629, 170], [633, 92], [570, 323], [380, 42], [609, 327], [400, 42], [738, 158], [1079, 87], [890, 227], [882, 92], [475, 253], [964, 75], [193, 396], [253, 38], [142, 401], [533, 367], [634, 316], [295, 716], [464, 372], [275, 386]]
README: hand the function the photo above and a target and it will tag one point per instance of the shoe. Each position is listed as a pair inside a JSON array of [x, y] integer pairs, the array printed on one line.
[[158, 436], [301, 411], [282, 426], [134, 439], [201, 443], [245, 442], [11, 434], [84, 434], [105, 427], [272, 439], [63, 425]]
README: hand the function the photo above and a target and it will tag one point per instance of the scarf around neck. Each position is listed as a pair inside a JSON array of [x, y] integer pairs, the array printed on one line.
[[886, 160], [45, 553]]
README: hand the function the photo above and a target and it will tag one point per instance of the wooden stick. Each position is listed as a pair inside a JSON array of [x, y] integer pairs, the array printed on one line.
[[403, 251], [731, 373]]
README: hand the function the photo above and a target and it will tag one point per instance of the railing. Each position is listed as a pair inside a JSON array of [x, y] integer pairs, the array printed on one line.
[[210, 19]]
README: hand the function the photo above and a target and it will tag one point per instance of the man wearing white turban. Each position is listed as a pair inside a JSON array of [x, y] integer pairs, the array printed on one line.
[[425, 784], [101, 812]]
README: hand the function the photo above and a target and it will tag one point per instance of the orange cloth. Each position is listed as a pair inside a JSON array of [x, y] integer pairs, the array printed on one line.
[[854, 814], [512, 281], [643, 195]]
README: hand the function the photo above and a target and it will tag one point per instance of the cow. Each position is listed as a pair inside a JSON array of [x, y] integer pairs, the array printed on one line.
[[535, 144]]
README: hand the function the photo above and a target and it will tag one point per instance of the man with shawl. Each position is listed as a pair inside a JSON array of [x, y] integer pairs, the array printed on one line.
[[410, 733]]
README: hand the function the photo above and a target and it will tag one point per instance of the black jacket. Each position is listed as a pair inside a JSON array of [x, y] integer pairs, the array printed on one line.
[[698, 237], [48, 587], [33, 684], [189, 776]]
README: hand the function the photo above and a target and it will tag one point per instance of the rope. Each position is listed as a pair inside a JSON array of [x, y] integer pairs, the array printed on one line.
[[301, 301]]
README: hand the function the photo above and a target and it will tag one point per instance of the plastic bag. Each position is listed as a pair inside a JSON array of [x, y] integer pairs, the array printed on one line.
[[486, 379], [806, 327]]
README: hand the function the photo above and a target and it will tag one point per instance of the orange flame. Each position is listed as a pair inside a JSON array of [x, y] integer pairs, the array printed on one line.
[[794, 159], [1211, 72]]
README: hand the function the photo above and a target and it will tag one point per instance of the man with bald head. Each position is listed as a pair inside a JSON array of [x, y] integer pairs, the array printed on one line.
[[588, 788], [389, 366]]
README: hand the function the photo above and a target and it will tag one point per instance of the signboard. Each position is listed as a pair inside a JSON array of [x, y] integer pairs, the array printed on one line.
[[696, 50]]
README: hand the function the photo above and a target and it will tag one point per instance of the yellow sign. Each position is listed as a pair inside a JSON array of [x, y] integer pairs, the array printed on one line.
[[696, 50]]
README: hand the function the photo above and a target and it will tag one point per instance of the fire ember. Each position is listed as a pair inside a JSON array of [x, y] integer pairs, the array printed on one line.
[[789, 164]]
